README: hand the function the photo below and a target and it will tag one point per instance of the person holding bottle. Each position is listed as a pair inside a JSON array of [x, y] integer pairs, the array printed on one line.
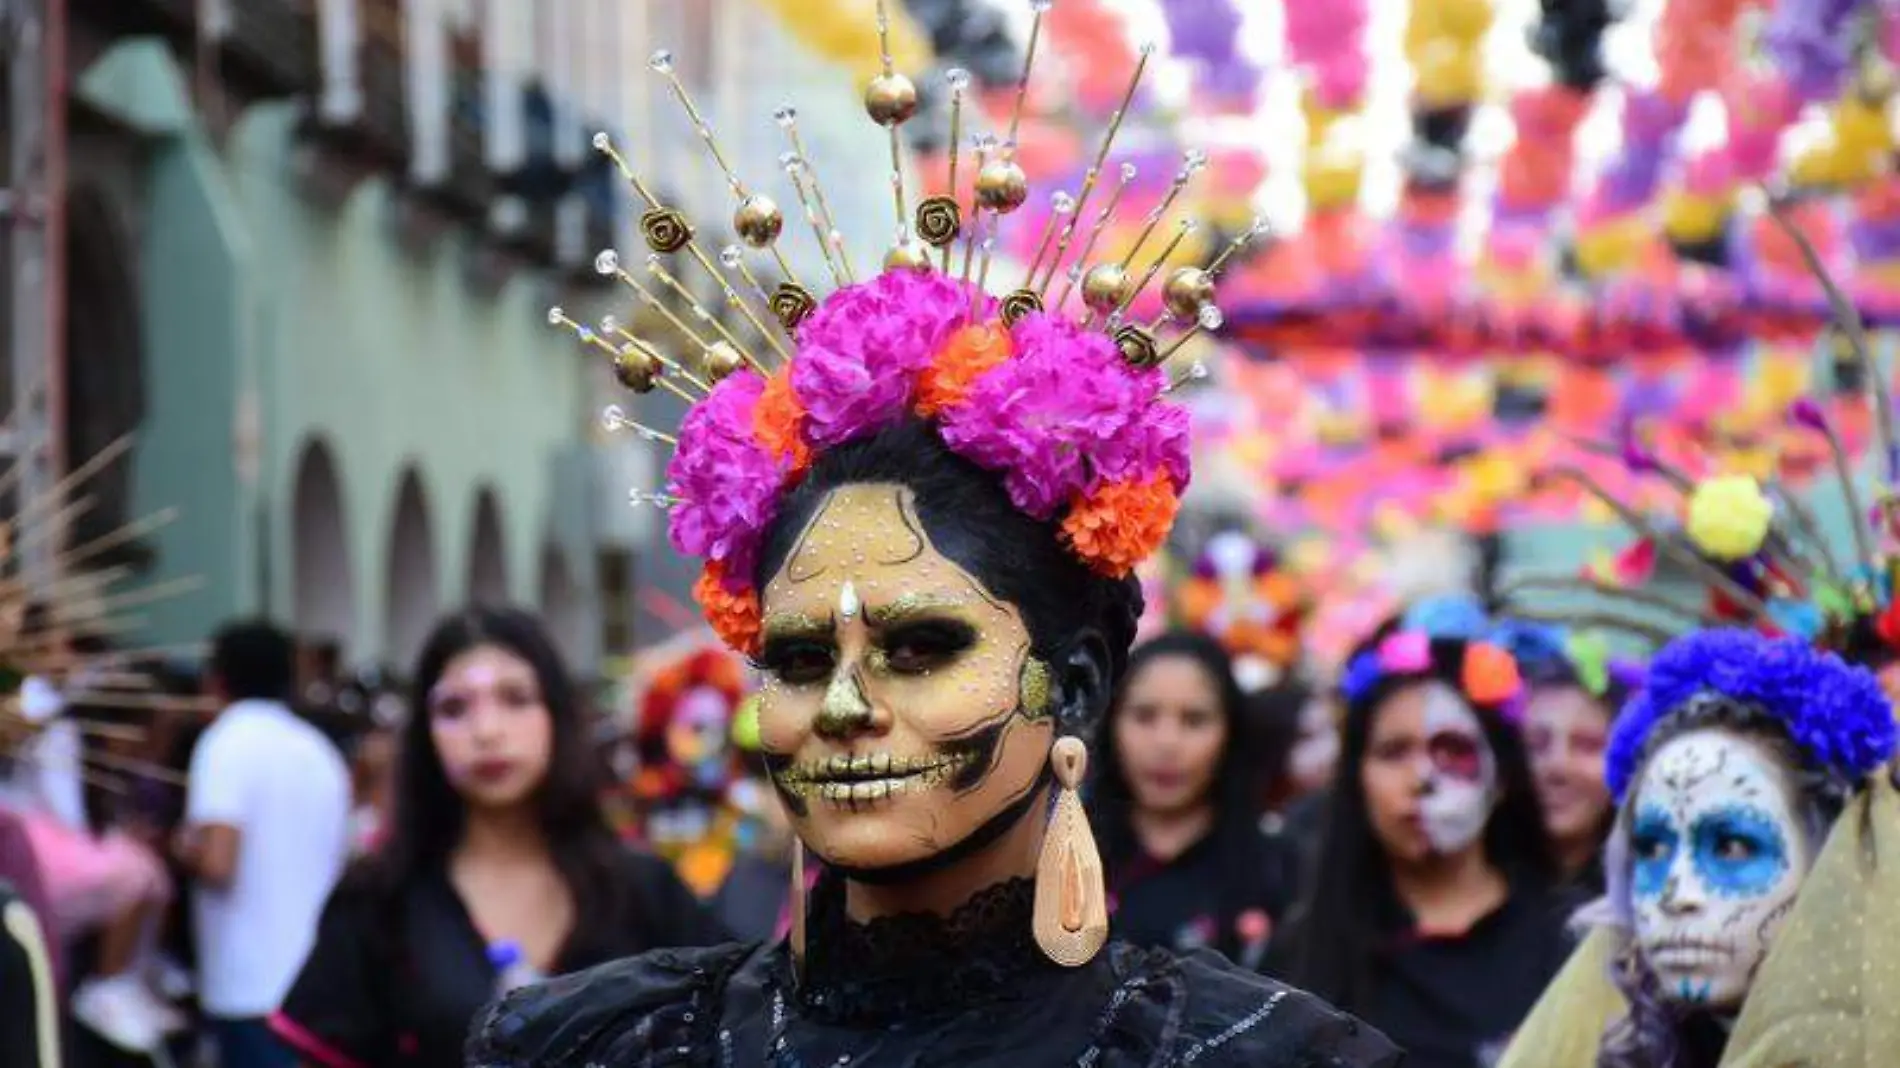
[[499, 867]]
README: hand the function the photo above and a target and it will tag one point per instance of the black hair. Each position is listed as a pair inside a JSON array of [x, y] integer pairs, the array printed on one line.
[[1235, 833], [970, 520], [1351, 910], [254, 660], [428, 815], [1275, 714]]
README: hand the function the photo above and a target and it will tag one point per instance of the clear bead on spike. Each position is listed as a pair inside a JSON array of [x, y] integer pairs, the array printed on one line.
[[984, 142], [1196, 159], [1041, 6], [730, 255], [792, 162], [1148, 48], [1210, 317], [661, 61], [1062, 203], [1259, 226], [609, 324], [608, 262], [613, 417], [1198, 371], [785, 115], [555, 315], [1128, 172], [957, 78], [602, 142]]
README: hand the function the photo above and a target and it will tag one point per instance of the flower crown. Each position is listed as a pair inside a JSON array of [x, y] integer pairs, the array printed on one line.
[[1487, 674], [1835, 712], [1070, 414], [1241, 593], [1547, 653], [1761, 556]]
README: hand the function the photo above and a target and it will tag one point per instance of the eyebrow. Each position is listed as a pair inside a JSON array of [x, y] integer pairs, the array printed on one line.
[[788, 626], [910, 606]]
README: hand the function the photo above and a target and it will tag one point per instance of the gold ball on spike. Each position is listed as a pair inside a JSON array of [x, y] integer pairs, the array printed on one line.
[[1001, 186], [758, 221], [1186, 291], [1104, 288], [721, 360], [890, 99], [908, 253], [637, 367]]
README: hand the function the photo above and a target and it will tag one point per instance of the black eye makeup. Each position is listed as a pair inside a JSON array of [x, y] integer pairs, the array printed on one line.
[[797, 661], [918, 646]]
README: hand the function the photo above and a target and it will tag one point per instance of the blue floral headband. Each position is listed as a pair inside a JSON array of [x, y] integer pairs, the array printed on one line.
[[1835, 712]]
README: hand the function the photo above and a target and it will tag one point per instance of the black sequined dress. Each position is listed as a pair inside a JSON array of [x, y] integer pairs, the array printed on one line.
[[920, 992]]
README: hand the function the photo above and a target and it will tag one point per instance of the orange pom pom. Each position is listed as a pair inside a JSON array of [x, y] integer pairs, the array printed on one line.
[[778, 419], [948, 379], [733, 613], [1489, 675], [1122, 523]]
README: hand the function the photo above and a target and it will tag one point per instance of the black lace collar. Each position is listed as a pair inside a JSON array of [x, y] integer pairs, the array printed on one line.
[[918, 965]]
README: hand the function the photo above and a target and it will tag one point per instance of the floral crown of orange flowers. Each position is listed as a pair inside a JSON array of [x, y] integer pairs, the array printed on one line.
[[1487, 674], [1070, 412]]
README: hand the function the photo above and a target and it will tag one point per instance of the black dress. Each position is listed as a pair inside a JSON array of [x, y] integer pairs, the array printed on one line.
[[920, 992], [381, 990]]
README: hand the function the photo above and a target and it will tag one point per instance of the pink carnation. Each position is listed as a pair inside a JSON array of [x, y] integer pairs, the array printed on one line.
[[728, 484], [860, 353], [1064, 416]]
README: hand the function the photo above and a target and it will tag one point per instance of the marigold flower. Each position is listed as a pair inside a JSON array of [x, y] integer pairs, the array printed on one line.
[[731, 607], [1121, 523]]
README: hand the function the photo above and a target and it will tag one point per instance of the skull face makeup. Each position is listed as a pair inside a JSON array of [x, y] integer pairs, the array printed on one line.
[[1718, 854], [903, 713], [1462, 775]]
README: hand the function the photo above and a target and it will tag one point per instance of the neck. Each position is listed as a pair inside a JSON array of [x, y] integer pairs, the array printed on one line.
[[508, 834], [1447, 894], [1165, 834], [1011, 856], [1575, 854]]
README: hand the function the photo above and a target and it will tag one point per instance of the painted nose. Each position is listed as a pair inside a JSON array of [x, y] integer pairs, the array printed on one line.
[[846, 711], [1680, 896]]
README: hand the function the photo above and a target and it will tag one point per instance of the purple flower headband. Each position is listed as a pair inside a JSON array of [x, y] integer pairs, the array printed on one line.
[[1835, 712]]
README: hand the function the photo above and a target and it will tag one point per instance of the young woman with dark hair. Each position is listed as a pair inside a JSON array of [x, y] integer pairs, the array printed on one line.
[[1431, 911], [497, 838], [1176, 807]]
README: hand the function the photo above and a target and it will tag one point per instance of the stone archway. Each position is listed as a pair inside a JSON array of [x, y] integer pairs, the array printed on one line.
[[105, 368], [560, 603], [487, 552], [414, 596], [323, 591]]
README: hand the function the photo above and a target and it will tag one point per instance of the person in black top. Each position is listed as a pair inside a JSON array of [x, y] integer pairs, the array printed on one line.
[[1432, 911], [1175, 807], [497, 837]]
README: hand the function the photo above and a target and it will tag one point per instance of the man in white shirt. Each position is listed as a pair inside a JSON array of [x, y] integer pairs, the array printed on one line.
[[266, 836]]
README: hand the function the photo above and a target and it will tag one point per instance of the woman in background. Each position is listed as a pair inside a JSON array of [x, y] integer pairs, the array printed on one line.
[[1431, 913], [1177, 811], [498, 866]]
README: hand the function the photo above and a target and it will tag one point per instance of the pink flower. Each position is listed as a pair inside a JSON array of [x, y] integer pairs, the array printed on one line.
[[860, 353], [1406, 653], [1066, 415], [728, 485]]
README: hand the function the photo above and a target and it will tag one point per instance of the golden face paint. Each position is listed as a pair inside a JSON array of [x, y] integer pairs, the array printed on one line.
[[903, 710]]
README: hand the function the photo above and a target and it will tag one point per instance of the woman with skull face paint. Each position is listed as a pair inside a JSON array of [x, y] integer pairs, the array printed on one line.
[[1431, 911], [921, 518], [1729, 768]]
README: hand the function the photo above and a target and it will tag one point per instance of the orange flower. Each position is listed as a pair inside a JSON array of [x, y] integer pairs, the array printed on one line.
[[778, 419], [972, 352], [1122, 523], [734, 615], [1489, 676]]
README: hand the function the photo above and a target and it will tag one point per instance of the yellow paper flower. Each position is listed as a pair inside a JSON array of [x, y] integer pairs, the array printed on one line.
[[1729, 517], [1611, 246], [1692, 219]]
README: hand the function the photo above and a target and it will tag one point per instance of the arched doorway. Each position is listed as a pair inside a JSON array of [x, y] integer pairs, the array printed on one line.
[[105, 370], [561, 605], [323, 593], [414, 596], [487, 552]]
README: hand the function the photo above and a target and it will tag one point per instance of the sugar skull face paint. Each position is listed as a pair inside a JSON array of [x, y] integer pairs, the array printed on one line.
[[903, 711], [1718, 854], [1429, 774]]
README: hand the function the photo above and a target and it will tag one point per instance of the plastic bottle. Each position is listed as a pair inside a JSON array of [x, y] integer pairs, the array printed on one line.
[[512, 970]]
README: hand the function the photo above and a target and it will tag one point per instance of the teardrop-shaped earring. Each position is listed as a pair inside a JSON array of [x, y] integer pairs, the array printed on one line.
[[1071, 916], [795, 902]]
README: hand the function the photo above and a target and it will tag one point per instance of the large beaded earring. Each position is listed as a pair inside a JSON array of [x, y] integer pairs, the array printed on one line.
[[1071, 915]]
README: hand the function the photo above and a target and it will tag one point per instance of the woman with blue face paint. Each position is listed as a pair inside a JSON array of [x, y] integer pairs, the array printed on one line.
[[1729, 769]]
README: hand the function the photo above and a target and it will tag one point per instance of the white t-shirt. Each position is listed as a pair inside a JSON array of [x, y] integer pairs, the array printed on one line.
[[284, 786]]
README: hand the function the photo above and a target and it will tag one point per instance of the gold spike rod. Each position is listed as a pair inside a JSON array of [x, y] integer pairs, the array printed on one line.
[[1095, 233], [83, 473], [612, 326], [658, 270], [1101, 159], [1181, 232], [1240, 241], [799, 167], [1060, 205], [616, 418], [732, 254], [589, 336], [958, 79], [1189, 169], [985, 144], [608, 263], [1022, 82]]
